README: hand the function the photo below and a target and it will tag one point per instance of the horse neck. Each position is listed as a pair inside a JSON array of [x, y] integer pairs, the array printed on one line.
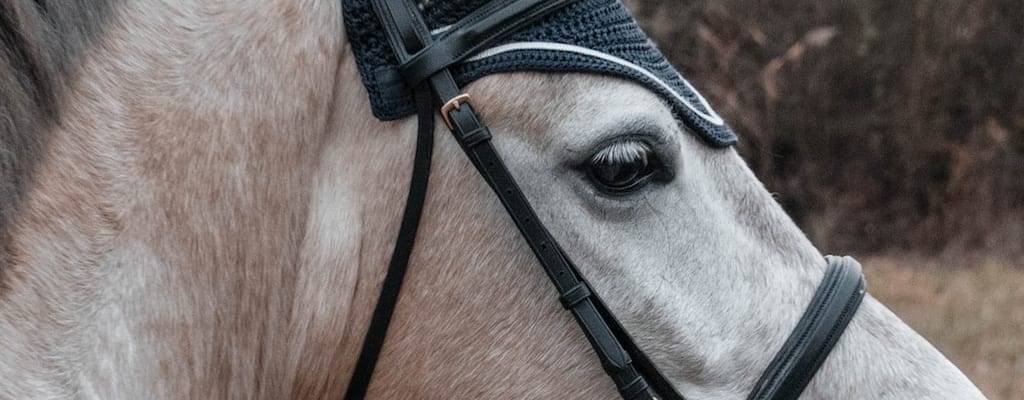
[[163, 241]]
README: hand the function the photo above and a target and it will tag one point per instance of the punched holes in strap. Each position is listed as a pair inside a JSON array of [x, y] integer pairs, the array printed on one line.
[[574, 296]]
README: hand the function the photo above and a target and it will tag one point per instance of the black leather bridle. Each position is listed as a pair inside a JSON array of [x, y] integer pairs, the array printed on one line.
[[425, 60]]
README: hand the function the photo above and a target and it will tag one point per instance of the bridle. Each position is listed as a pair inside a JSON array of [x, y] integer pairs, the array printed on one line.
[[424, 62]]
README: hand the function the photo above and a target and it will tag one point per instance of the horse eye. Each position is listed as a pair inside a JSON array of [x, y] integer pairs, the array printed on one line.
[[623, 167]]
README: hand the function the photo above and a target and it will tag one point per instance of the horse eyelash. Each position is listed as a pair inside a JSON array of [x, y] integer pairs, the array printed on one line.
[[621, 152]]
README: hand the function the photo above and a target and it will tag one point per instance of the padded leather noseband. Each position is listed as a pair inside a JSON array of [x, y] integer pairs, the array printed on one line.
[[424, 62]]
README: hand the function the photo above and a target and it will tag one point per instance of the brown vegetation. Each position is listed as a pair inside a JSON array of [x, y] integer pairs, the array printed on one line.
[[971, 312], [882, 125]]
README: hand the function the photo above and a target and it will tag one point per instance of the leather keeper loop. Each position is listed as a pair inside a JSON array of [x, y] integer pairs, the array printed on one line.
[[634, 389], [575, 295], [477, 136]]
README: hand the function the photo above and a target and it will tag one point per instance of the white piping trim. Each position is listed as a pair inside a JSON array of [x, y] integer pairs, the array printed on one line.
[[711, 116], [441, 30]]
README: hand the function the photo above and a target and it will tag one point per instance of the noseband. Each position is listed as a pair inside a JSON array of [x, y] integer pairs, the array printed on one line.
[[425, 60]]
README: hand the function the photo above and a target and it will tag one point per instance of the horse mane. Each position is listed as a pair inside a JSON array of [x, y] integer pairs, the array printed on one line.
[[41, 43]]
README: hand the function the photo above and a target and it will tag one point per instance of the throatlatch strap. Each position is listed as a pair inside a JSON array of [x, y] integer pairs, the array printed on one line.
[[381, 319], [823, 322]]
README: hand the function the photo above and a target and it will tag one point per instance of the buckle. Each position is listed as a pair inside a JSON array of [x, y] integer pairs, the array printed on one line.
[[454, 104]]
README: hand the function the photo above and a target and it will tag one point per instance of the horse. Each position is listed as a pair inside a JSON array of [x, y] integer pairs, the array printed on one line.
[[198, 202]]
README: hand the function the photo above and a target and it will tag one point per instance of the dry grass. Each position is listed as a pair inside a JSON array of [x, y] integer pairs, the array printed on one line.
[[973, 312]]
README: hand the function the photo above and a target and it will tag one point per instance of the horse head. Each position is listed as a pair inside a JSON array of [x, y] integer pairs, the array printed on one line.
[[216, 201]]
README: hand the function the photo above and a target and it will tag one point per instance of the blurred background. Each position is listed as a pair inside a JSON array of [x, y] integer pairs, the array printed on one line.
[[889, 130]]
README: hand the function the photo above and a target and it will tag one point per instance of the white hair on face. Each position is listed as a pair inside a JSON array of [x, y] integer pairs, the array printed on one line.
[[622, 151]]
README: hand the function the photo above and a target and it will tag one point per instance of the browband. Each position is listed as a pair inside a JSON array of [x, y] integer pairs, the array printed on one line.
[[474, 33]]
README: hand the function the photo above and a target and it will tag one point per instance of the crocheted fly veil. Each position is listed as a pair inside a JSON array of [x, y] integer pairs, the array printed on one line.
[[593, 36]]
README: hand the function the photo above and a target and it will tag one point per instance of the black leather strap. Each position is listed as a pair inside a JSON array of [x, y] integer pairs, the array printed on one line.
[[614, 358], [404, 34], [574, 296], [475, 32], [388, 299], [657, 380], [823, 322]]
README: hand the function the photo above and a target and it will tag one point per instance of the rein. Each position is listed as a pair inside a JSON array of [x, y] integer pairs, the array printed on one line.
[[424, 64]]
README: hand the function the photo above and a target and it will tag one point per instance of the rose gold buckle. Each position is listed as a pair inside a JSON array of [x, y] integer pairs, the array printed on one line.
[[454, 104]]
